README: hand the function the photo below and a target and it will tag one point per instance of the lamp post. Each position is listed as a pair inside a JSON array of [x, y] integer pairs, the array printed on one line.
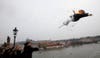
[[15, 34]]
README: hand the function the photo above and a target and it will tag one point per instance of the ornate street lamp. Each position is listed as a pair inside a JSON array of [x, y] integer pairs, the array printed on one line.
[[15, 34]]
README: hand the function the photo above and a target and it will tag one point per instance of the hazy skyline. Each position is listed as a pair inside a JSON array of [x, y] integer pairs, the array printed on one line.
[[40, 19]]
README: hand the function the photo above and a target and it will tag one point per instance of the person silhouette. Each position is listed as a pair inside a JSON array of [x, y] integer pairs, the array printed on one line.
[[28, 49]]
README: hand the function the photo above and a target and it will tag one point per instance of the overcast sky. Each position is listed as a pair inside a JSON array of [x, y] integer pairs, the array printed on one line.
[[40, 19]]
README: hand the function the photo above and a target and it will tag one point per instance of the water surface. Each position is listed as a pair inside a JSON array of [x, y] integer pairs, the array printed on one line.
[[84, 51]]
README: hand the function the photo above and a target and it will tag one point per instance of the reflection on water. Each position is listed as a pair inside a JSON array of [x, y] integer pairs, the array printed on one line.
[[85, 51]]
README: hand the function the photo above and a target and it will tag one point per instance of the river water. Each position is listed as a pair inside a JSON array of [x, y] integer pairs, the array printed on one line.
[[84, 51]]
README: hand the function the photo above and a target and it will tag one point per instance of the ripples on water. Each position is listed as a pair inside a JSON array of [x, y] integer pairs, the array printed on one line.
[[85, 51]]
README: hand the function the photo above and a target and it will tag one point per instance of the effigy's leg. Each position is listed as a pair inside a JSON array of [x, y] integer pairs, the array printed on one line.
[[65, 23]]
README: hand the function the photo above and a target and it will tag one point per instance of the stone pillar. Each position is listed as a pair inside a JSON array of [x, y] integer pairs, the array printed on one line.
[[8, 40]]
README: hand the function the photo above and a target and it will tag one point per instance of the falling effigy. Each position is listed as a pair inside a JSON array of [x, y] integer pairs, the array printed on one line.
[[76, 16]]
